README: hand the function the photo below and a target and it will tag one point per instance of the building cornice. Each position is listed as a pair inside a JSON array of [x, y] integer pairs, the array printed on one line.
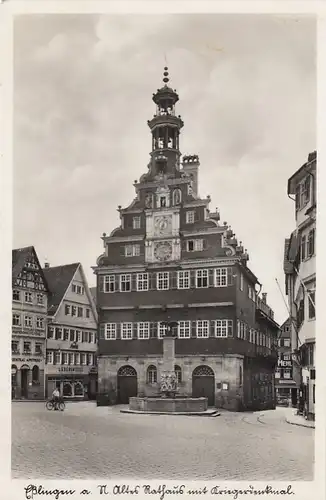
[[203, 231], [195, 305], [123, 239], [168, 182]]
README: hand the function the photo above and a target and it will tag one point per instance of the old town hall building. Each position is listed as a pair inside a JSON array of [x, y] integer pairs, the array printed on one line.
[[172, 260]]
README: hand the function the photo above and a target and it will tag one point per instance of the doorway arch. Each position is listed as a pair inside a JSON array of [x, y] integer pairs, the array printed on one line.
[[203, 384], [127, 384]]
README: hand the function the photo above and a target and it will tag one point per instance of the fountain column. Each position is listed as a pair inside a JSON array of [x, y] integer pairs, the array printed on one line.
[[169, 382]]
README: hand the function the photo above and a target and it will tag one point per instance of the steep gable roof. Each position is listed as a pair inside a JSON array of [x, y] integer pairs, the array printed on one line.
[[19, 258], [59, 279]]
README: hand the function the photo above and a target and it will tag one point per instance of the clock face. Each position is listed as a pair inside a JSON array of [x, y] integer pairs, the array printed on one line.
[[162, 225], [163, 251]]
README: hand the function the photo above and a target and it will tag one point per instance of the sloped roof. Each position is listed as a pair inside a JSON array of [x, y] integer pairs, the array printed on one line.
[[19, 258], [59, 279]]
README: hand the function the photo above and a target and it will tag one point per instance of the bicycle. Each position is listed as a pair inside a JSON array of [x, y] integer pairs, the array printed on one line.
[[51, 405]]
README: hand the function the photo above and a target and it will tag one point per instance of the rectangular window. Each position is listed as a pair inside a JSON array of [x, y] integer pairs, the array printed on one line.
[[143, 330], [183, 280], [78, 336], [287, 373], [311, 243], [71, 358], [77, 358], [74, 288], [88, 313], [84, 358], [161, 330], [202, 278], [50, 332], [27, 347], [303, 247], [28, 321], [67, 310], [58, 333], [109, 283], [162, 281], [223, 328], [40, 299], [110, 331], [221, 276], [90, 359], [202, 328], [73, 311], [125, 282], [132, 250], [126, 331], [184, 329], [57, 357], [66, 334], [241, 282], [311, 304], [195, 245], [80, 312], [64, 358], [190, 217], [92, 337], [28, 297], [15, 347], [40, 323], [136, 222], [49, 357], [79, 289], [142, 282], [15, 295], [16, 320], [72, 335]]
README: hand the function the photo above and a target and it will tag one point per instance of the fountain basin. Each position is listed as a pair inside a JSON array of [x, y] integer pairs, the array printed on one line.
[[168, 405]]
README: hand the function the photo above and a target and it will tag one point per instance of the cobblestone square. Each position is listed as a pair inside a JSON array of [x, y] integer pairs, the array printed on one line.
[[90, 442]]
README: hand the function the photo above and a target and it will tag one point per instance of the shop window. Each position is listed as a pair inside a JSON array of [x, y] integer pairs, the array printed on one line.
[[78, 389], [67, 389]]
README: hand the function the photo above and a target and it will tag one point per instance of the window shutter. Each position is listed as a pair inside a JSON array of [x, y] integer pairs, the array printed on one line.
[[152, 281], [192, 278], [117, 283], [212, 328], [193, 329], [134, 330], [230, 276], [230, 328], [101, 283], [118, 330], [152, 333], [173, 279], [134, 282], [211, 273]]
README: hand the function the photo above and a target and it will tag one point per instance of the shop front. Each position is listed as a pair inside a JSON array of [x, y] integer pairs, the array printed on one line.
[[73, 382], [27, 378]]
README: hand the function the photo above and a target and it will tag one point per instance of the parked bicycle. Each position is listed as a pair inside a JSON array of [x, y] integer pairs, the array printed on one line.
[[55, 405]]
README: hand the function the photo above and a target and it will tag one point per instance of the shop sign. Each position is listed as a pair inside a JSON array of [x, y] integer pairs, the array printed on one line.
[[284, 364], [70, 369], [286, 381], [31, 360]]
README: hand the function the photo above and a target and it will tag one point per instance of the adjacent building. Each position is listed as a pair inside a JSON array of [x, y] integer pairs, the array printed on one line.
[[287, 373], [300, 279], [29, 315], [71, 334], [172, 260]]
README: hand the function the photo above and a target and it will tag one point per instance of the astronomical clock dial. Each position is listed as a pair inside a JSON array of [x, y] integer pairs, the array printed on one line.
[[163, 251], [162, 225]]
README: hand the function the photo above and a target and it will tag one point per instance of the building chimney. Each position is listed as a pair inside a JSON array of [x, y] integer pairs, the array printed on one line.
[[264, 299], [46, 265]]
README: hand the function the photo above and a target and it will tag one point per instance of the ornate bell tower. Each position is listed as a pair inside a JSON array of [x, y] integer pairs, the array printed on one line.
[[165, 128]]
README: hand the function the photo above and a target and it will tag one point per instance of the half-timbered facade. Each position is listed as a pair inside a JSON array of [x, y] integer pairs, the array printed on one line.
[[172, 260], [29, 320], [71, 334]]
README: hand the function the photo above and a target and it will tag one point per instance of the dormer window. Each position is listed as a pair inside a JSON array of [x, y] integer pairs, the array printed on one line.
[[136, 222], [190, 217]]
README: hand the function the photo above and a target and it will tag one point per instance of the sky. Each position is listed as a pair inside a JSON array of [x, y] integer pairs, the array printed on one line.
[[82, 97]]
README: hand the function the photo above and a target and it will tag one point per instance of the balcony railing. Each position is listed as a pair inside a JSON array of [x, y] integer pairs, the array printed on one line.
[[262, 306]]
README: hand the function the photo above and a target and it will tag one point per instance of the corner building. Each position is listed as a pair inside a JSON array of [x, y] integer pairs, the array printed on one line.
[[171, 260]]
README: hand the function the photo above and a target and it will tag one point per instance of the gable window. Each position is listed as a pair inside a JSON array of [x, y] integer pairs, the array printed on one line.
[[40, 323], [67, 310], [80, 312], [16, 320], [136, 222], [79, 336], [40, 298], [28, 297], [49, 357], [88, 313], [27, 347], [190, 217], [125, 282], [132, 250], [184, 329], [73, 311], [223, 327], [142, 282], [286, 342], [162, 281], [28, 321], [143, 330], [195, 245], [59, 334], [109, 283], [202, 278], [50, 332], [151, 374], [126, 331], [161, 329], [202, 328], [73, 287], [221, 276], [311, 304], [66, 334], [311, 243], [15, 295], [183, 280]]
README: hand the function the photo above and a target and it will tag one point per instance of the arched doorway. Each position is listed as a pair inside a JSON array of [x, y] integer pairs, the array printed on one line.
[[203, 384], [24, 373], [127, 384], [35, 375]]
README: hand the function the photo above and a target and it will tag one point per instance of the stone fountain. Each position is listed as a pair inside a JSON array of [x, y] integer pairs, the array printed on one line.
[[168, 401]]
